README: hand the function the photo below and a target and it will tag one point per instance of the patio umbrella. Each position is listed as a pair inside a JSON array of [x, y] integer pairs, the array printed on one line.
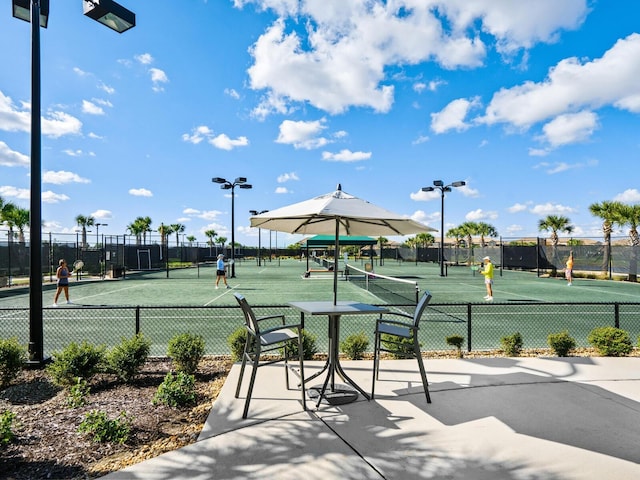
[[337, 213]]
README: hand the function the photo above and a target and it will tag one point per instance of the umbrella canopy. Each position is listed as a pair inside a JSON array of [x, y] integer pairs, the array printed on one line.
[[337, 213]]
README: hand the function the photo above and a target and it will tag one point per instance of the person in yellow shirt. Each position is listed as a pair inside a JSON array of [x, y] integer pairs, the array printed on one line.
[[488, 278], [568, 271]]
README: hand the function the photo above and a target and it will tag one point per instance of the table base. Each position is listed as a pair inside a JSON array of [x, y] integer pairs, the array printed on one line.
[[340, 394]]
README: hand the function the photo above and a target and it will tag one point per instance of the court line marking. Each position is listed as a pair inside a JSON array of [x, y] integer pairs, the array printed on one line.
[[225, 291], [111, 292]]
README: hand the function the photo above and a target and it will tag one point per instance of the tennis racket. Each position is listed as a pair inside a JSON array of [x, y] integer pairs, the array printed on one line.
[[77, 265], [231, 261]]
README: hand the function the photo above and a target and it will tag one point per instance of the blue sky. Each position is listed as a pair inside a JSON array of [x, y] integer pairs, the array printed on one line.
[[534, 104]]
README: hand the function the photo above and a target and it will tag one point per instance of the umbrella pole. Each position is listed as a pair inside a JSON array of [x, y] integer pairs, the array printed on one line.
[[335, 263]]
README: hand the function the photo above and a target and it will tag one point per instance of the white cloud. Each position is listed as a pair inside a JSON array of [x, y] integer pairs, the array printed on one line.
[[570, 128], [573, 86], [479, 215], [8, 191], [286, 177], [342, 55], [61, 177], [346, 156], [198, 134], [232, 93], [102, 214], [209, 214], [158, 77], [223, 142], [452, 117], [551, 209], [11, 158], [52, 197], [191, 211], [631, 195], [302, 134], [91, 108], [280, 190], [517, 207], [140, 192], [144, 58]]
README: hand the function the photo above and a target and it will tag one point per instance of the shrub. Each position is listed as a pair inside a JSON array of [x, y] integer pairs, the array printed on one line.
[[400, 347], [236, 343], [355, 345], [75, 361], [309, 347], [186, 350], [176, 390], [78, 394], [512, 344], [561, 343], [610, 341], [126, 360], [104, 429], [455, 341], [12, 357], [6, 422]]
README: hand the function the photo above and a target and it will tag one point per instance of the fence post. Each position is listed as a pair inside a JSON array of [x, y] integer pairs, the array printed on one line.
[[137, 319], [468, 327], [616, 314]]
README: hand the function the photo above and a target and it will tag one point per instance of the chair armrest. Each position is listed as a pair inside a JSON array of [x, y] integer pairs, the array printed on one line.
[[270, 317], [280, 327], [397, 314], [396, 322]]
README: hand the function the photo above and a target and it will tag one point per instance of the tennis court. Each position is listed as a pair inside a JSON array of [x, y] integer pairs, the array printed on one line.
[[523, 302]]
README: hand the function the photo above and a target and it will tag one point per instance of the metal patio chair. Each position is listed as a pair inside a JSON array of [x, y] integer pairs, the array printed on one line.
[[397, 333], [270, 341]]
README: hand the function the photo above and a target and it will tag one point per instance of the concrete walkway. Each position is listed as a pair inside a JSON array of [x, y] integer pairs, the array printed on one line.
[[494, 418]]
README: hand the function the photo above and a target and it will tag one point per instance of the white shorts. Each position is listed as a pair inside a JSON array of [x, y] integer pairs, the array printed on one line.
[[488, 281]]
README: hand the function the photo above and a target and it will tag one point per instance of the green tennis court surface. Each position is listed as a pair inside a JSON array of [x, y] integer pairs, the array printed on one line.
[[281, 281]]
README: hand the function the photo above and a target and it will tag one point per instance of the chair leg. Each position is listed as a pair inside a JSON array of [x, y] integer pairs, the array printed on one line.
[[423, 373], [300, 359], [244, 362], [376, 363], [256, 364]]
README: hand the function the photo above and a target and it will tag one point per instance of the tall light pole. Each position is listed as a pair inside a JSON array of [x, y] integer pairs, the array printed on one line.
[[36, 12], [439, 185], [253, 213], [240, 182], [98, 225]]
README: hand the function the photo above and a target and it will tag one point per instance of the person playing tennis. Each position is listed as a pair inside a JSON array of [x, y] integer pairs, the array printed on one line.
[[488, 278], [568, 271], [62, 274], [220, 271]]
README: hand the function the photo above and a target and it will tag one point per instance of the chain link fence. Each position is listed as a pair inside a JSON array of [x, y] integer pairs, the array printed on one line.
[[481, 324]]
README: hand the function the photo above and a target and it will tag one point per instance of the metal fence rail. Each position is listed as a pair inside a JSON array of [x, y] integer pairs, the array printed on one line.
[[481, 324]]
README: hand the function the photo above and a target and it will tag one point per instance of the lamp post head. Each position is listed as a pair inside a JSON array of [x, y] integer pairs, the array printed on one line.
[[22, 10], [459, 184], [240, 180], [438, 183], [226, 186], [428, 189], [245, 186], [109, 13], [253, 212], [218, 180]]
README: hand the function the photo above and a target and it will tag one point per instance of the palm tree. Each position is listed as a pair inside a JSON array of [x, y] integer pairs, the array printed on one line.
[[191, 239], [424, 239], [468, 229], [7, 211], [146, 224], [85, 222], [136, 228], [210, 234], [17, 217], [555, 223], [630, 215], [222, 241], [458, 234], [607, 211], [485, 230], [177, 228], [164, 231]]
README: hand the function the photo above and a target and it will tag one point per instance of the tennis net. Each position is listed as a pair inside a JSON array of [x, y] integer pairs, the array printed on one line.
[[389, 289]]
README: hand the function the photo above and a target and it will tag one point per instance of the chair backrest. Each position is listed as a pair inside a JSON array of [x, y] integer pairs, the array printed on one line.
[[422, 304], [249, 317]]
